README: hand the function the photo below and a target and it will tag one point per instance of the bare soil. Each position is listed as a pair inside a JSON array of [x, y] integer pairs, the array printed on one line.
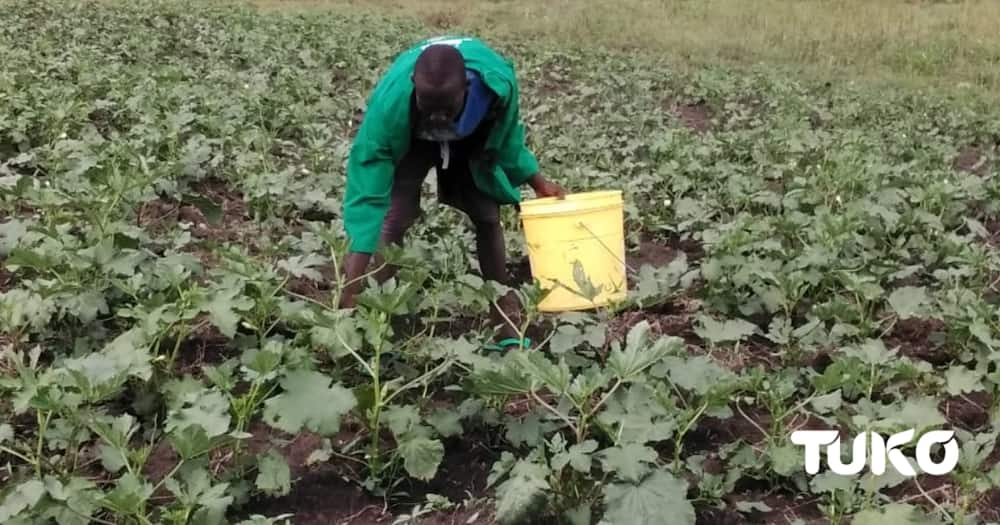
[[235, 225], [916, 339], [206, 346], [330, 493], [7, 280], [656, 254], [969, 411], [973, 159], [695, 116]]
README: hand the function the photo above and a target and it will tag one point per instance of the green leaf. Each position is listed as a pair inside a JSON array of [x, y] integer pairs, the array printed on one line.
[[303, 266], [832, 483], [629, 462], [909, 301], [309, 401], [579, 515], [699, 374], [128, 496], [447, 423], [6, 433], [522, 495], [76, 498], [961, 380], [980, 330], [786, 459], [273, 474], [655, 499], [917, 412], [23, 497], [717, 332], [421, 456], [208, 409], [637, 416], [640, 352], [400, 419], [111, 459], [224, 307], [827, 403], [543, 371], [190, 441], [10, 233], [578, 456], [508, 381], [101, 374], [747, 507], [893, 513]]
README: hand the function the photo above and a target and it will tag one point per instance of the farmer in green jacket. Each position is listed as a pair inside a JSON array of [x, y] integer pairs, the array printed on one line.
[[450, 104]]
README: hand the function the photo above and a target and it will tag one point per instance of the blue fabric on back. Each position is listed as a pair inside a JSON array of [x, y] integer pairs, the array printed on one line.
[[477, 104]]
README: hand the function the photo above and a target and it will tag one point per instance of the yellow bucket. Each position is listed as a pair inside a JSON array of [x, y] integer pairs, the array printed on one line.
[[582, 235]]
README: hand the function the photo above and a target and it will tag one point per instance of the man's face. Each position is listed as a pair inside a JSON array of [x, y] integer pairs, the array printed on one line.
[[438, 108]]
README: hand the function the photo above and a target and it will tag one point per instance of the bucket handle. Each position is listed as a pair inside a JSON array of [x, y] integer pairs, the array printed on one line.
[[609, 250]]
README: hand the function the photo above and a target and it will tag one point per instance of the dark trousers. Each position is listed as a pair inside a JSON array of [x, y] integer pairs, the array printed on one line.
[[457, 189]]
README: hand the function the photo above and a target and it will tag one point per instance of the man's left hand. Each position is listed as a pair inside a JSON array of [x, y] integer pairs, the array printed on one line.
[[546, 188]]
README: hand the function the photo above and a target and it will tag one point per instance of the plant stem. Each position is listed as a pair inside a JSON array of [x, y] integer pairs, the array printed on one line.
[[18, 455], [557, 413], [604, 398], [169, 475], [43, 423], [683, 432], [430, 374]]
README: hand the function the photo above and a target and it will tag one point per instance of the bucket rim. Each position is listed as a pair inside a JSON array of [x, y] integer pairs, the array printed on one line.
[[554, 205]]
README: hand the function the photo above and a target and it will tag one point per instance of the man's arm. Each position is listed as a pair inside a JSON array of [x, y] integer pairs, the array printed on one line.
[[366, 201]]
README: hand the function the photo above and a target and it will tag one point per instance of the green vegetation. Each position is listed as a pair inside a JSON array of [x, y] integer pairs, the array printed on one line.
[[804, 255]]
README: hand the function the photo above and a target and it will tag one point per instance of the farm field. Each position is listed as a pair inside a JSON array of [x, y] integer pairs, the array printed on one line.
[[804, 254]]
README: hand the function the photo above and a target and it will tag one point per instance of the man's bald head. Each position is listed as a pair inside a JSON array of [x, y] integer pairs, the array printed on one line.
[[439, 81]]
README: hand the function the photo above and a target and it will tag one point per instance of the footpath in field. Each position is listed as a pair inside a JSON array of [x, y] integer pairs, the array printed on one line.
[[803, 256]]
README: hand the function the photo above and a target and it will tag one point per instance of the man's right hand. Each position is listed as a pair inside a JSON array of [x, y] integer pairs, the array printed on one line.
[[355, 265]]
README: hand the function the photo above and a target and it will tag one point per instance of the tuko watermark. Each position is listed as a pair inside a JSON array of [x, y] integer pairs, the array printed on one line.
[[883, 452]]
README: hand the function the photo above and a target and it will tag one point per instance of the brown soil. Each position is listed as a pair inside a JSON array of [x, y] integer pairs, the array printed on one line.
[[939, 488], [316, 290], [652, 253], [970, 411], [988, 506], [973, 159], [206, 346], [323, 493], [784, 509], [914, 337], [747, 355], [674, 319], [235, 225], [711, 431], [519, 271], [7, 280], [696, 116], [944, 490], [992, 226]]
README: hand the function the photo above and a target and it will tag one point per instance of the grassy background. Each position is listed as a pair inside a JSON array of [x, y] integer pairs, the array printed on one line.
[[952, 44]]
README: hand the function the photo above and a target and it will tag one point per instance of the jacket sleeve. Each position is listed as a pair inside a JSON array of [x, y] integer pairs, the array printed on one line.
[[514, 157], [370, 169]]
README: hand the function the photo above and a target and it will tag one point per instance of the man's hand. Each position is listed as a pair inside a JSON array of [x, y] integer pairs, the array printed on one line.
[[546, 188], [355, 265]]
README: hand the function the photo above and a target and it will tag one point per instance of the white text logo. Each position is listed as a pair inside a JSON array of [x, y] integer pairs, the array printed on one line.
[[881, 451]]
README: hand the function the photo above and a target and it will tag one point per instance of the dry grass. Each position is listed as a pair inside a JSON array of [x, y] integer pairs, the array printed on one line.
[[950, 43]]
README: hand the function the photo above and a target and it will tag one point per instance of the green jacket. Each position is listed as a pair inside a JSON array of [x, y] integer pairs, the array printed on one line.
[[385, 133]]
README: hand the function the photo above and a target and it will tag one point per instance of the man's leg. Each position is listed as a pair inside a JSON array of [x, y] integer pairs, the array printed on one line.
[[492, 253]]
